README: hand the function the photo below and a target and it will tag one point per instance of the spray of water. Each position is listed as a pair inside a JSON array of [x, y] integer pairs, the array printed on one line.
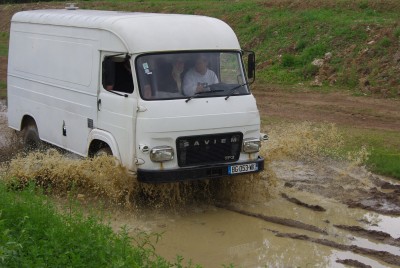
[[99, 177], [105, 179], [303, 141]]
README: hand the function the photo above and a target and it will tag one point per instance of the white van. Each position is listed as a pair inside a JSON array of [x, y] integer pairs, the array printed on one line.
[[166, 94]]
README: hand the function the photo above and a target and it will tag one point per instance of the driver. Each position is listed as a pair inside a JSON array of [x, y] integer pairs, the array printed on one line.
[[198, 78]]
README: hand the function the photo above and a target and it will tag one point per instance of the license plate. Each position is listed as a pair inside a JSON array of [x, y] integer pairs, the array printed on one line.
[[243, 168]]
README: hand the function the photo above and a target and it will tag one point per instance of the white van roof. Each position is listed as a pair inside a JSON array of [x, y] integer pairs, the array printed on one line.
[[143, 32]]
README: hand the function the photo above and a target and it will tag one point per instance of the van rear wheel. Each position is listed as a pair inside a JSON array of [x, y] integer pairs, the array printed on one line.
[[31, 138]]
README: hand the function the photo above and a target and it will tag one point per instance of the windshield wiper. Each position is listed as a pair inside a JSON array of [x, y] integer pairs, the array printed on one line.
[[203, 92], [232, 90]]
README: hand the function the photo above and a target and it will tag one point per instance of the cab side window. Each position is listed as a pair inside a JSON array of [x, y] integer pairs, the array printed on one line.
[[117, 74]]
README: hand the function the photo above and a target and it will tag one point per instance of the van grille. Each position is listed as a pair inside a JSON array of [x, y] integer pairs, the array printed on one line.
[[209, 149]]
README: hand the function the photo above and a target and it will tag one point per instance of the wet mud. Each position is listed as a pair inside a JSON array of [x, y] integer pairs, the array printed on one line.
[[378, 201], [300, 203], [354, 263], [381, 255], [375, 235], [277, 220], [309, 207]]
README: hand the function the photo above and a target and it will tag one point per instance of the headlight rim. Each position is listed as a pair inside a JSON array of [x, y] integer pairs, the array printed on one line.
[[251, 141], [157, 150]]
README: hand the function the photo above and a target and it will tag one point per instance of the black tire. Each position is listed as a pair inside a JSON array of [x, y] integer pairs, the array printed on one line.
[[31, 140], [103, 151]]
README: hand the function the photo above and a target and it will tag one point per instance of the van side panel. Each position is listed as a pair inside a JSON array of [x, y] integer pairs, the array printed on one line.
[[53, 77]]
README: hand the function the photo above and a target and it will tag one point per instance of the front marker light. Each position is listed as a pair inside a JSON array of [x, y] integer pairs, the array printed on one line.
[[161, 153], [251, 145], [264, 137]]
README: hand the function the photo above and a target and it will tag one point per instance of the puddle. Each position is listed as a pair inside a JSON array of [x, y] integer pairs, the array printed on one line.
[[212, 236], [383, 223], [365, 243], [350, 256]]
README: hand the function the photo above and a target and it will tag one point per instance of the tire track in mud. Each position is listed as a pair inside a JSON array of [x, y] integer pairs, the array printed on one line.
[[355, 188], [379, 236], [353, 263], [380, 255], [375, 235], [378, 201], [274, 219], [301, 203]]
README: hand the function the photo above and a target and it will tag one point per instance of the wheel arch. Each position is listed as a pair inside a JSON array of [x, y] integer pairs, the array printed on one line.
[[26, 120], [98, 139]]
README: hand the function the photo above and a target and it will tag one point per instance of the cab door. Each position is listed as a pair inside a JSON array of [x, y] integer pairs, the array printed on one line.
[[117, 105]]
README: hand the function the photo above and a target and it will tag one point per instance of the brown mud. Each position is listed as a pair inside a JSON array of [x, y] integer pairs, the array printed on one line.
[[354, 263], [272, 219], [300, 203], [342, 108], [381, 255], [375, 235]]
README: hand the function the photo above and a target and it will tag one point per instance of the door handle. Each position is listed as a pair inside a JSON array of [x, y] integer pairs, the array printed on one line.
[[98, 104]]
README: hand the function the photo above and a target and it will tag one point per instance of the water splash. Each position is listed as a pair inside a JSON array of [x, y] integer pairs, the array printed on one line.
[[303, 141], [100, 177], [105, 179]]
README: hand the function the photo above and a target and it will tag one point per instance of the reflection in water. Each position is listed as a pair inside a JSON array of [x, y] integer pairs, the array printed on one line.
[[383, 223], [365, 243], [347, 255]]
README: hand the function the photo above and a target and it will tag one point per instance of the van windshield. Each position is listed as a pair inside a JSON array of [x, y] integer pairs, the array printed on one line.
[[185, 75]]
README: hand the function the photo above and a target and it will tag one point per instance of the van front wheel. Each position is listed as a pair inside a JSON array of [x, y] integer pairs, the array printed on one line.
[[103, 151]]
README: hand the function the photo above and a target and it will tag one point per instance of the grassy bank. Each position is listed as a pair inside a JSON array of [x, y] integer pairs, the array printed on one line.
[[34, 234], [361, 37]]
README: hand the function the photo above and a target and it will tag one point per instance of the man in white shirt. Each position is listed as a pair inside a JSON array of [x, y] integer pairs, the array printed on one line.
[[198, 79]]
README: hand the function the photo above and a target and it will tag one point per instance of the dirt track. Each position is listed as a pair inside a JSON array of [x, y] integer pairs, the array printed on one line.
[[340, 108]]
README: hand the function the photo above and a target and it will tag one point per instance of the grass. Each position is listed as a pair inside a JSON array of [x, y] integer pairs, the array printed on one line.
[[386, 162], [4, 36], [34, 234], [3, 90], [383, 147]]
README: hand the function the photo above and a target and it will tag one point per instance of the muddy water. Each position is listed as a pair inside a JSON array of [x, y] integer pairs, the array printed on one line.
[[211, 235], [251, 221]]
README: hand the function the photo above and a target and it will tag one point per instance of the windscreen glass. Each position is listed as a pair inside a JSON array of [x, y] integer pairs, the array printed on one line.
[[184, 75]]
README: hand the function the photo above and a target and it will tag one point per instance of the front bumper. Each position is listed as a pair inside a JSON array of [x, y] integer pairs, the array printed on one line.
[[193, 173]]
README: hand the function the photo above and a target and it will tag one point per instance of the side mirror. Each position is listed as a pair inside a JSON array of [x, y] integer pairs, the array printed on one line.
[[251, 66]]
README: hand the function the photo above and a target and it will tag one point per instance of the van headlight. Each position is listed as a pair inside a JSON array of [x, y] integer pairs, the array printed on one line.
[[161, 153], [251, 145]]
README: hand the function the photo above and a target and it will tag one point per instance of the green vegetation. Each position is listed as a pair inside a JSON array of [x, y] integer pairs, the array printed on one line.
[[383, 147], [34, 234], [362, 37], [4, 44], [3, 89], [385, 162]]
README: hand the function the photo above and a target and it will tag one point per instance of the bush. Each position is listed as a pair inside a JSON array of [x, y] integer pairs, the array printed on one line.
[[288, 60]]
